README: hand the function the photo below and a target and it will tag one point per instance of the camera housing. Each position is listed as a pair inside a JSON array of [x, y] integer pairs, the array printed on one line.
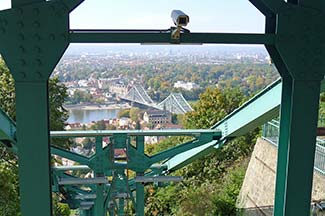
[[180, 19]]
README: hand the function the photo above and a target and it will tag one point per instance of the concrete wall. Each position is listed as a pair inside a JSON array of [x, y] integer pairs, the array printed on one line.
[[257, 194]]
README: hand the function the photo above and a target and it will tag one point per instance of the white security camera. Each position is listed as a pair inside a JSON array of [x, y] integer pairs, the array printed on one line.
[[180, 19]]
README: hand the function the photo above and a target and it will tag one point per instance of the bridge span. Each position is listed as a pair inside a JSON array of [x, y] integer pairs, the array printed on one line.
[[174, 103]]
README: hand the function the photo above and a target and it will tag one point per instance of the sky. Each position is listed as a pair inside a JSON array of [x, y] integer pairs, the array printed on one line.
[[205, 15]]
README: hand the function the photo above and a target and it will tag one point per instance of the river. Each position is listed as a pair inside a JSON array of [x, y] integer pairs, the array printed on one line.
[[87, 116]]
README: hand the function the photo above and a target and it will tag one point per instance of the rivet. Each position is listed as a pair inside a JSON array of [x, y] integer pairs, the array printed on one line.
[[318, 51], [20, 10], [317, 63], [38, 74], [37, 24], [36, 11], [37, 49], [22, 62], [37, 37], [38, 62], [22, 75], [22, 49], [20, 24], [52, 36], [21, 37]]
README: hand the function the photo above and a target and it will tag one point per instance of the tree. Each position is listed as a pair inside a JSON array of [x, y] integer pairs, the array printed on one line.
[[124, 113], [135, 113], [210, 177], [214, 104]]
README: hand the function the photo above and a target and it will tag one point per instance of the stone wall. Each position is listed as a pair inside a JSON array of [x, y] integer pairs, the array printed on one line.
[[257, 194]]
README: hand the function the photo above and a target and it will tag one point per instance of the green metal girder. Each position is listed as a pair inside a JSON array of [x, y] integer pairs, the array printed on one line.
[[283, 145], [108, 133], [258, 110], [181, 148], [37, 33], [83, 160], [33, 133], [301, 148], [151, 36]]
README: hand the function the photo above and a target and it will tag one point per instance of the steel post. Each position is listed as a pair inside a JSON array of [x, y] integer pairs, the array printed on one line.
[[34, 148], [121, 207], [99, 203], [284, 132], [140, 197], [139, 186], [301, 149]]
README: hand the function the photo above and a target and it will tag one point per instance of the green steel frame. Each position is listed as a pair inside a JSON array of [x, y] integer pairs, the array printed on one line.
[[36, 33]]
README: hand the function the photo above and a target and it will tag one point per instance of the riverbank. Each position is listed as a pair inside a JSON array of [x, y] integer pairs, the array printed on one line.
[[97, 106]]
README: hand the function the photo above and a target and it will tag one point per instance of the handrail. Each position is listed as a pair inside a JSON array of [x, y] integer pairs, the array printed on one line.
[[270, 133]]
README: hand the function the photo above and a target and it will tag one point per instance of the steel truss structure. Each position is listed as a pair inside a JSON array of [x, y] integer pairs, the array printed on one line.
[[34, 34]]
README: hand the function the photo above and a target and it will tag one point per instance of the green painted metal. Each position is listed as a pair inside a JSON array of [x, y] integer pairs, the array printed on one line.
[[33, 33], [140, 203], [300, 46], [107, 133], [152, 36], [258, 110], [99, 209], [283, 145], [36, 33], [35, 193], [300, 157], [70, 155]]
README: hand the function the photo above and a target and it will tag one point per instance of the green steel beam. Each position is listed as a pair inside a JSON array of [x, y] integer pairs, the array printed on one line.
[[140, 199], [255, 112], [151, 36], [8, 132], [284, 132], [71, 168], [259, 109], [83, 160], [36, 36], [182, 148], [99, 208], [19, 3], [34, 151], [262, 7], [105, 133], [299, 46], [301, 149]]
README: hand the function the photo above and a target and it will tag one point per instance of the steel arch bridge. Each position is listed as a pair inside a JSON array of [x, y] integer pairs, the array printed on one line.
[[33, 37], [174, 103]]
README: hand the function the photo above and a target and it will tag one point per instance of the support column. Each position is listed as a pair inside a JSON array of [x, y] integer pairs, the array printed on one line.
[[299, 114], [99, 209], [121, 207], [285, 118], [139, 186], [301, 149], [111, 212], [34, 148], [84, 213], [139, 197]]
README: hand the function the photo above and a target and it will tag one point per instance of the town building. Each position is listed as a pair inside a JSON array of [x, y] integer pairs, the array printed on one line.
[[186, 85], [155, 117]]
